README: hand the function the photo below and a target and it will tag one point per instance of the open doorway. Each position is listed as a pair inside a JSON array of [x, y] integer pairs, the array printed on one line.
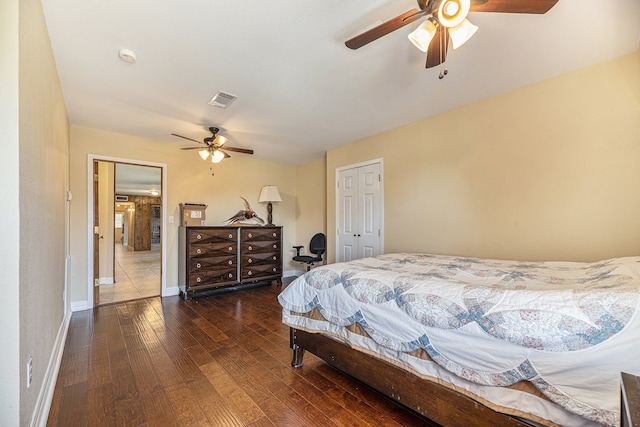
[[128, 249]]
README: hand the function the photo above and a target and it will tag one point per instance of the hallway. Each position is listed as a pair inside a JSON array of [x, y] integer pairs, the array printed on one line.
[[137, 275]]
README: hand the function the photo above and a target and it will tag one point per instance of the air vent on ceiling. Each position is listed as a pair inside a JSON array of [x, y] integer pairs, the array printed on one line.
[[222, 99], [120, 198]]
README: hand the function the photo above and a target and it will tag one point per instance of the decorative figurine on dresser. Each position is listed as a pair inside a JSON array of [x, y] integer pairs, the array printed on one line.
[[225, 257]]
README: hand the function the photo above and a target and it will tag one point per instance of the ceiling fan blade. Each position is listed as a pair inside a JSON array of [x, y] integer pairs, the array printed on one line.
[[439, 42], [513, 6], [226, 155], [193, 148], [384, 28], [184, 137], [238, 150]]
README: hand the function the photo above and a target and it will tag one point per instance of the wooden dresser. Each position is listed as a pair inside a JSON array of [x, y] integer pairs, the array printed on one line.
[[220, 257]]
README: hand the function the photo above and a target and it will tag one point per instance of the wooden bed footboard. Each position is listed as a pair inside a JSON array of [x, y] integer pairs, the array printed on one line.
[[433, 401]]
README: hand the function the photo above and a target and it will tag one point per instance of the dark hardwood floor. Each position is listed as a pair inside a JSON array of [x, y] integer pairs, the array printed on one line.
[[222, 360]]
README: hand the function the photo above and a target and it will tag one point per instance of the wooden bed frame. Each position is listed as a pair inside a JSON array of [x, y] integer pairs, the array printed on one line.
[[431, 400]]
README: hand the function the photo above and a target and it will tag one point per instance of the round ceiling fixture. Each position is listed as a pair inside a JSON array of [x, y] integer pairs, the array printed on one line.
[[127, 55]]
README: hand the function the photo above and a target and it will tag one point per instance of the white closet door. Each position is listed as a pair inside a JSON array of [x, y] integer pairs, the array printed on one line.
[[369, 211], [359, 212], [347, 215]]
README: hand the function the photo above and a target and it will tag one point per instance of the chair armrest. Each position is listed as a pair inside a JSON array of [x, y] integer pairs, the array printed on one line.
[[297, 248]]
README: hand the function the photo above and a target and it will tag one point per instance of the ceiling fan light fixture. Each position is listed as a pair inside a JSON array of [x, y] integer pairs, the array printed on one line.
[[452, 12], [204, 154], [461, 33], [421, 36], [217, 156]]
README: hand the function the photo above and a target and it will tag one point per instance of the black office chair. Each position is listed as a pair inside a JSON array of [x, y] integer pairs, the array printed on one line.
[[317, 246]]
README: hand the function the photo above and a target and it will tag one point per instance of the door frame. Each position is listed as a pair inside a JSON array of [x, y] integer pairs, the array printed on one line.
[[379, 161], [90, 212]]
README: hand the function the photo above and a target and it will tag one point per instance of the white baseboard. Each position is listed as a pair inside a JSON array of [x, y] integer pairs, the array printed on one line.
[[292, 273], [43, 404], [106, 280], [170, 292], [79, 305]]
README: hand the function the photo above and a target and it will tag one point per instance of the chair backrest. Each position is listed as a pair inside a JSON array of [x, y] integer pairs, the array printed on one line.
[[318, 244]]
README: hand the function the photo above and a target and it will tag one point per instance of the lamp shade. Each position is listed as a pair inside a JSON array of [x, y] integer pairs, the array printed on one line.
[[220, 140], [453, 12], [269, 193], [421, 36], [217, 156], [461, 33], [204, 154]]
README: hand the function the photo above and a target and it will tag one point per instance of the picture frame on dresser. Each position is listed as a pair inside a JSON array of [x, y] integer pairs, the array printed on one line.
[[228, 257]]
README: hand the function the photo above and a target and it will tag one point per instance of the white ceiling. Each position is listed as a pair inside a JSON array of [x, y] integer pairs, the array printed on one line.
[[138, 180], [300, 90]]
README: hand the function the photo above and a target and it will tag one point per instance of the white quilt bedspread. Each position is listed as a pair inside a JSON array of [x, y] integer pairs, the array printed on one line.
[[568, 328]]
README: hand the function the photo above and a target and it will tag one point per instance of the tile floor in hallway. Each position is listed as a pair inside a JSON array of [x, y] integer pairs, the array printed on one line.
[[137, 275]]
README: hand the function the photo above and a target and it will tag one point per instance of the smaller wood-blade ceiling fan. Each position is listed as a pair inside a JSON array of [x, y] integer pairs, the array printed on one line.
[[446, 20], [213, 147]]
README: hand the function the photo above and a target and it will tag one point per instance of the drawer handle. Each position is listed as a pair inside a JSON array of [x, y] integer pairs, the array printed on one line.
[[274, 258], [250, 248], [274, 234], [250, 235], [198, 251], [198, 237], [249, 273], [198, 265], [198, 280], [231, 236], [275, 246], [230, 275], [274, 269], [250, 261], [230, 262], [230, 248]]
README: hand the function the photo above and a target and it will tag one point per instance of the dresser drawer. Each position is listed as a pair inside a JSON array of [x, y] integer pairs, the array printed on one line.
[[256, 272], [252, 260], [260, 247], [199, 265], [260, 234], [206, 250], [204, 235], [208, 278]]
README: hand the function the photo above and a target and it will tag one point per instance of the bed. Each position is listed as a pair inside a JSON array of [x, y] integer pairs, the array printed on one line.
[[467, 341]]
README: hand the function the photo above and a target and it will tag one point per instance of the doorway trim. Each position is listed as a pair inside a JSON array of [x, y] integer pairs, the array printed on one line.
[[379, 161], [163, 261]]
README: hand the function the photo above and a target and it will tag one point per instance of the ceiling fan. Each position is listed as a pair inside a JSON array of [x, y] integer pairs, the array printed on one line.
[[446, 20], [213, 146]]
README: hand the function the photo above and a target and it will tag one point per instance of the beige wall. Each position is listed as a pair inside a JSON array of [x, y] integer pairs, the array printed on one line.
[[189, 180], [549, 171], [9, 197], [310, 209], [43, 179]]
